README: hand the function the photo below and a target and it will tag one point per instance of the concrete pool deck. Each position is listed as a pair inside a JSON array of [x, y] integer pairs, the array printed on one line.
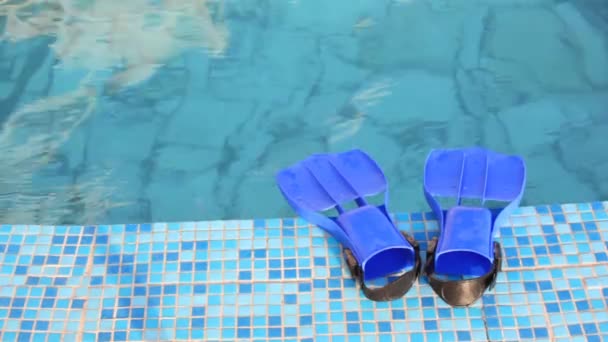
[[283, 280]]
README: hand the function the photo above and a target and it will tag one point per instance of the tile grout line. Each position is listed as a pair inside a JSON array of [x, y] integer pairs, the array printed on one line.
[[87, 275]]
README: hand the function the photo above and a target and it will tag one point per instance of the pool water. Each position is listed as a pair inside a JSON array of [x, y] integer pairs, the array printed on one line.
[[140, 111]]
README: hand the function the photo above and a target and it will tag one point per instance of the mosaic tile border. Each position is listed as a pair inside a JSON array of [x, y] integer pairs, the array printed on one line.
[[284, 280]]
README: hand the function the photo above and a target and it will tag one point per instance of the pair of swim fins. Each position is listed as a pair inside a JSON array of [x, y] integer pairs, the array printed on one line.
[[461, 263]]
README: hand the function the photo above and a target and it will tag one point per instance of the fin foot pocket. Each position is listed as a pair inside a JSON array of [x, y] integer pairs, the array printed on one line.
[[394, 289], [463, 292]]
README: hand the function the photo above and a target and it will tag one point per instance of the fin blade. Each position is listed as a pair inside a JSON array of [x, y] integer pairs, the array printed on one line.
[[506, 177], [361, 171], [333, 182], [443, 172], [301, 188], [474, 173]]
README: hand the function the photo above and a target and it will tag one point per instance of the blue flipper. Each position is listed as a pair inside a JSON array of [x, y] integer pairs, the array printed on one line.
[[374, 247], [466, 245]]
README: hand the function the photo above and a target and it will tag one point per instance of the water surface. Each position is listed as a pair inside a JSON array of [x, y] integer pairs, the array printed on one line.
[[138, 111]]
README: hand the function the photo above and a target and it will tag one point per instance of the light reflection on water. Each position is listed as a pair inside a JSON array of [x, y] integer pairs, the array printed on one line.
[[121, 44]]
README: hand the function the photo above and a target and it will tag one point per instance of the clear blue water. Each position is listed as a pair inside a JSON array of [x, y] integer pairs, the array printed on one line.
[[138, 111]]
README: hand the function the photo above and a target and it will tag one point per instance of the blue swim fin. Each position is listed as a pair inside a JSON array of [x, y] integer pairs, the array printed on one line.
[[373, 246], [466, 246]]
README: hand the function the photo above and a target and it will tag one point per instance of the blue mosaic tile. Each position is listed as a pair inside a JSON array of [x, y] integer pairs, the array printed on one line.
[[284, 280]]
